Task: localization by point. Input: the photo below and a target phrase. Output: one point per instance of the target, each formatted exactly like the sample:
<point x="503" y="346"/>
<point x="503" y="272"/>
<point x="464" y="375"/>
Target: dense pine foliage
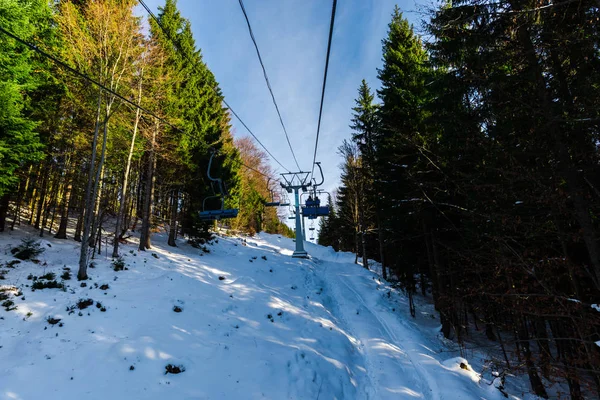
<point x="476" y="174"/>
<point x="77" y="155"/>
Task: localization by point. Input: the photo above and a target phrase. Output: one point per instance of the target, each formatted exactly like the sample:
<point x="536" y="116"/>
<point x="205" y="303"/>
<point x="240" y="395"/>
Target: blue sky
<point x="292" y="38"/>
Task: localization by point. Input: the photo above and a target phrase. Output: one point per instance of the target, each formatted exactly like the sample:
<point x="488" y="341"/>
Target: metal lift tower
<point x="295" y="181"/>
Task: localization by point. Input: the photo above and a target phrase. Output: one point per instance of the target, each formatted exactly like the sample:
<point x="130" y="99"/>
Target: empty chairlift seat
<point x="212" y="215"/>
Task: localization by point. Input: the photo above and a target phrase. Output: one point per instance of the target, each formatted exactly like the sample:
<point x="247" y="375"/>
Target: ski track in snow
<point x="272" y="328"/>
<point x="383" y="374"/>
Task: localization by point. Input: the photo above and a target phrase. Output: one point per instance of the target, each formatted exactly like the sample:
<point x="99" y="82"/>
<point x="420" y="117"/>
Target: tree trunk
<point x="90" y="197"/>
<point x="3" y="210"/>
<point x="64" y="211"/>
<point x="99" y="187"/>
<point x="148" y="191"/>
<point x="50" y="203"/>
<point x="42" y="199"/>
<point x="381" y="238"/>
<point x="364" y="249"/>
<point x="124" y="190"/>
<point x="20" y="193"/>
<point x="173" y="222"/>
<point x="534" y="378"/>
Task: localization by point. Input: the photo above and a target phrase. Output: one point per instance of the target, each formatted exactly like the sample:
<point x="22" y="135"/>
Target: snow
<point x="254" y="324"/>
<point x="596" y="307"/>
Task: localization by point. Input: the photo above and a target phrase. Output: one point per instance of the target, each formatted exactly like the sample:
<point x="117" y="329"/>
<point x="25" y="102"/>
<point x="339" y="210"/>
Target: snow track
<point x="391" y="371"/>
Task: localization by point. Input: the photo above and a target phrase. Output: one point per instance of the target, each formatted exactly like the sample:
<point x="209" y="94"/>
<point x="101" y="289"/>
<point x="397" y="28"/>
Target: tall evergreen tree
<point x="19" y="141"/>
<point x="401" y="140"/>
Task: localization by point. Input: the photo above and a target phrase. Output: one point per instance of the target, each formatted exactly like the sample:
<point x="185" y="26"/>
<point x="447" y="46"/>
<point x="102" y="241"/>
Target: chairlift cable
<point x="267" y="80"/>
<point x="178" y="47"/>
<point x="324" y="85"/>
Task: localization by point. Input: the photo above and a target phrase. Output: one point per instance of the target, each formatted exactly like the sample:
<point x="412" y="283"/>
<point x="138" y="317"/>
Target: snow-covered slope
<point x="254" y="323"/>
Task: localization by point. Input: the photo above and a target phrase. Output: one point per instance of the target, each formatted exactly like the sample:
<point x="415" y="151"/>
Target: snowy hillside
<point x="252" y="323"/>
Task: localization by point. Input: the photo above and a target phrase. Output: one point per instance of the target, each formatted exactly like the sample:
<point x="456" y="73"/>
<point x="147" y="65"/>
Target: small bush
<point x="196" y="242"/>
<point x="28" y="249"/>
<point x="174" y="369"/>
<point x="39" y="285"/>
<point x="50" y="276"/>
<point x="66" y="276"/>
<point x="104" y="287"/>
<point x="52" y="320"/>
<point x="81" y="304"/>
<point x="118" y="264"/>
<point x="11" y="264"/>
<point x="9" y="305"/>
<point x="177" y="309"/>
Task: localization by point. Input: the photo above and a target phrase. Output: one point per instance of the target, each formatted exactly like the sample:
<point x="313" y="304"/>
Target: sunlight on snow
<point x="379" y="344"/>
<point x="181" y="330"/>
<point x="153" y="354"/>
<point x="250" y="322"/>
<point x="36" y="308"/>
<point x="127" y="349"/>
<point x="279" y="304"/>
<point x="405" y="391"/>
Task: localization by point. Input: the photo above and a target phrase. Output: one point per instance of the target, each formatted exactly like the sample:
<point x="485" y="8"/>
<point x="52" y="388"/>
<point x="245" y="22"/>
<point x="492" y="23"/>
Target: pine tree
<point x="400" y="143"/>
<point x="366" y="133"/>
<point x="19" y="141"/>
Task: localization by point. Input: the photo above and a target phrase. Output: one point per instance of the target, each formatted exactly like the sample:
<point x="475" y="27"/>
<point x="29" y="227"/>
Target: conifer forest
<point x="470" y="174"/>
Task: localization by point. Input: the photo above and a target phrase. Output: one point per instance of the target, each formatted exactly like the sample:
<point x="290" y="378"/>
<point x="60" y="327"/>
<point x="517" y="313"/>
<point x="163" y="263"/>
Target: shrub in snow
<point x="174" y="369"/>
<point x="104" y="287"/>
<point x="49" y="276"/>
<point x="52" y="320"/>
<point x="66" y="276"/>
<point x="118" y="264"/>
<point x="177" y="309"/>
<point x="81" y="304"/>
<point x="11" y="264"/>
<point x="28" y="249"/>
<point x="40" y="284"/>
<point x="9" y="305"/>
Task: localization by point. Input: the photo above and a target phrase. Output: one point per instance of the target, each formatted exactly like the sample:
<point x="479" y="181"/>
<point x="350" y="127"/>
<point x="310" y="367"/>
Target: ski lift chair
<point x="221" y="213"/>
